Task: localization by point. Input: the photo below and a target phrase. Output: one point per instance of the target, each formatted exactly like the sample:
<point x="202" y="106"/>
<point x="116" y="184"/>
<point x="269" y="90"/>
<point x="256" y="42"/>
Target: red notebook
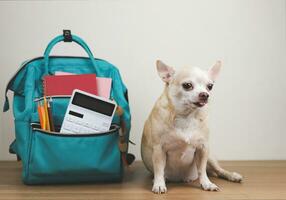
<point x="64" y="85"/>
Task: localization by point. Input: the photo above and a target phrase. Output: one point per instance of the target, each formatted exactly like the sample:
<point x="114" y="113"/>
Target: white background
<point x="248" y="109"/>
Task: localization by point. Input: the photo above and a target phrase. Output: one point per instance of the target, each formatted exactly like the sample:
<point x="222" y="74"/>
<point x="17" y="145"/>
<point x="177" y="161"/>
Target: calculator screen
<point x="94" y="104"/>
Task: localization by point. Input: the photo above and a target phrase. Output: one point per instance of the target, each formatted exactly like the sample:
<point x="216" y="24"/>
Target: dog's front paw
<point x="159" y="187"/>
<point x="235" y="177"/>
<point x="209" y="186"/>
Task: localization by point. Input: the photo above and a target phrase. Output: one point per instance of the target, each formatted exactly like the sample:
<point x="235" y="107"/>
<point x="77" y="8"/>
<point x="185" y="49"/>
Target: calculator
<point x="88" y="113"/>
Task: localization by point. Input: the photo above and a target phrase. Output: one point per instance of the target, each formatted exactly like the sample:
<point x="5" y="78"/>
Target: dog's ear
<point x="165" y="72"/>
<point x="214" y="71"/>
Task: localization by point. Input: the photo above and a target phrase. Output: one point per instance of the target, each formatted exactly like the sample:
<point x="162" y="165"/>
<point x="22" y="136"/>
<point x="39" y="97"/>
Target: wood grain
<point x="262" y="180"/>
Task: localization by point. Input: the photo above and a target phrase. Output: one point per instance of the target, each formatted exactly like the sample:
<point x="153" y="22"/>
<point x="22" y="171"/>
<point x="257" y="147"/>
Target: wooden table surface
<point x="262" y="180"/>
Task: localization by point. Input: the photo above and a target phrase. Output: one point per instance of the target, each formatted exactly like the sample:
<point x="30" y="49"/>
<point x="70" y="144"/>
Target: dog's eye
<point x="210" y="86"/>
<point x="187" y="86"/>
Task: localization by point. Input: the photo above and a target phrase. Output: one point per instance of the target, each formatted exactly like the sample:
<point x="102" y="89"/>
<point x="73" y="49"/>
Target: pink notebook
<point x="103" y="84"/>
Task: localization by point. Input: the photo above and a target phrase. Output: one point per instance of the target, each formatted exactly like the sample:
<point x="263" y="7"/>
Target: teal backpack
<point x="64" y="158"/>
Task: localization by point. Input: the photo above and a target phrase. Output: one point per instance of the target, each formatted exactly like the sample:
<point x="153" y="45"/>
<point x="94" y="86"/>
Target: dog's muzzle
<point x="203" y="99"/>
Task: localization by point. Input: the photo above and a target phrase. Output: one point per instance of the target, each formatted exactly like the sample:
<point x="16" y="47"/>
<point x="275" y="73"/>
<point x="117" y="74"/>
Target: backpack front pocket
<point x="68" y="158"/>
<point x="59" y="106"/>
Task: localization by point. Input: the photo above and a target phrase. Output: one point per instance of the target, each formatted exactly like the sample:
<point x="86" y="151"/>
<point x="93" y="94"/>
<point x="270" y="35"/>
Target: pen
<point x="50" y="113"/>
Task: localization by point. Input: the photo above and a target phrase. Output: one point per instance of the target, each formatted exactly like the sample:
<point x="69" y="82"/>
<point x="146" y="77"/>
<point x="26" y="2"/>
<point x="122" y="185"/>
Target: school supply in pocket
<point x="103" y="84"/>
<point x="48" y="156"/>
<point x="45" y="114"/>
<point x="87" y="113"/>
<point x="50" y="115"/>
<point x="64" y="85"/>
<point x="103" y="87"/>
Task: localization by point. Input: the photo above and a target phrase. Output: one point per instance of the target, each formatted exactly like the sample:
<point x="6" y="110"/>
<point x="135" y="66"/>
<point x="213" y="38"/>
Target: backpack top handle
<point x="67" y="37"/>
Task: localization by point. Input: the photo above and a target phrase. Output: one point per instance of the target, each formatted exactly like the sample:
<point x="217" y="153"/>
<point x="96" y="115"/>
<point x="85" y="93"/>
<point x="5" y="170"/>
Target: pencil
<point x="43" y="116"/>
<point x="40" y="115"/>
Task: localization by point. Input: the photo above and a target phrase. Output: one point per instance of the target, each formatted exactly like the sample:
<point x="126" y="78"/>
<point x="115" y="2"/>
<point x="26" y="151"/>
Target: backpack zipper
<point x="114" y="129"/>
<point x="51" y="97"/>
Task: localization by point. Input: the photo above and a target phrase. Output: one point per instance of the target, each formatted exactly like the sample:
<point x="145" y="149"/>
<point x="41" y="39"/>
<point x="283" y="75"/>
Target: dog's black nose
<point x="203" y="96"/>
